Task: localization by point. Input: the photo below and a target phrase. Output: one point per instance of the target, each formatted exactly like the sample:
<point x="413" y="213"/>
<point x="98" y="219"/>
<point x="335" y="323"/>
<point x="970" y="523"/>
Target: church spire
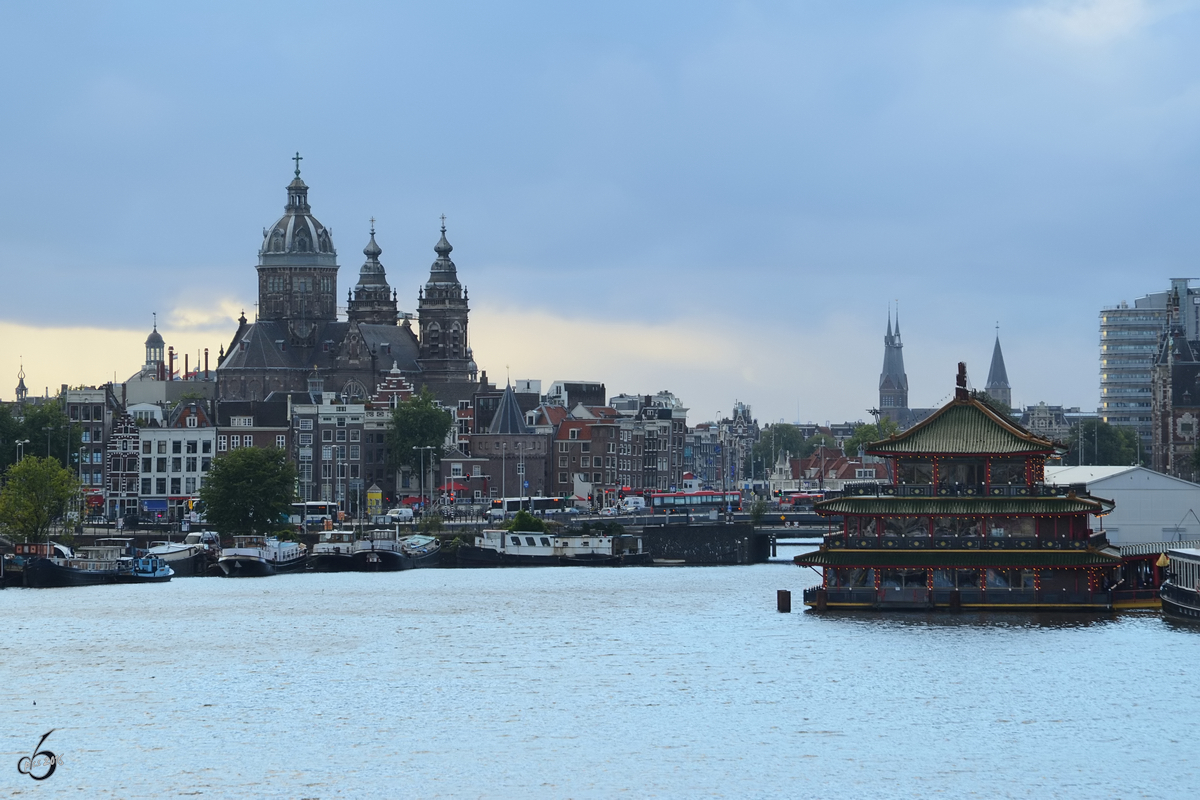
<point x="997" y="381"/>
<point x="893" y="381"/>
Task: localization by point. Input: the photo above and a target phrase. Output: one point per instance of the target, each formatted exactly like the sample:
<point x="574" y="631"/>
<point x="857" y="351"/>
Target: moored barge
<point x="1180" y="592"/>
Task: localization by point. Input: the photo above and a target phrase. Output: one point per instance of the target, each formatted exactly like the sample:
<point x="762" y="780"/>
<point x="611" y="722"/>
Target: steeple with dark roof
<point x="997" y="380"/>
<point x="373" y="301"/>
<point x="893" y="381"/>
<point x="443" y="310"/>
<point x="509" y="418"/>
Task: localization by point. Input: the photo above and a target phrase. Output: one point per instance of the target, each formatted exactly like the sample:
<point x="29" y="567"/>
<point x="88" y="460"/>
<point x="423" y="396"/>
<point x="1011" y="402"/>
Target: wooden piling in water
<point x="783" y="601"/>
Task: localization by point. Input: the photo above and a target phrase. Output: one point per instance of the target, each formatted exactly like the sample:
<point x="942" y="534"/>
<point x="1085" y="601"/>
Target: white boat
<point x="380" y="551"/>
<point x="190" y="557"/>
<point x="334" y="553"/>
<point x="256" y="556"/>
<point x="534" y="549"/>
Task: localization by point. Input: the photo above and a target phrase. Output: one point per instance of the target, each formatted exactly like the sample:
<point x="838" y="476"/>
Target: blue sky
<point x="720" y="199"/>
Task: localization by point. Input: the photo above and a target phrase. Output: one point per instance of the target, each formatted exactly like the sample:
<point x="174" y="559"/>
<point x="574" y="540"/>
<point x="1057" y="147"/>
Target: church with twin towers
<point x="296" y="343"/>
<point x="893" y="380"/>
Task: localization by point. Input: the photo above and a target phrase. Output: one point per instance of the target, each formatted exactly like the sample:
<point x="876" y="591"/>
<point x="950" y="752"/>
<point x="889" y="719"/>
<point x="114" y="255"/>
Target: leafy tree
<point x="869" y="432"/>
<point x="1096" y="443"/>
<point x="524" y="521"/>
<point x="998" y="405"/>
<point x="39" y="422"/>
<point x="773" y="439"/>
<point x="417" y="422"/>
<point x="36" y="492"/>
<point x="813" y="442"/>
<point x="758" y="510"/>
<point x="249" y="490"/>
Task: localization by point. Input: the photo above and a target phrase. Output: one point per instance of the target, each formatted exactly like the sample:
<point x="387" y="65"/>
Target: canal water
<point x="582" y="683"/>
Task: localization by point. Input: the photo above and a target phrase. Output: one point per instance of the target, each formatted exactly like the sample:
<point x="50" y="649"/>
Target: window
<point x="206" y="446"/>
<point x="562" y="461"/>
<point x="191" y="421"/>
<point x="145" y="486"/>
<point x="190" y="485"/>
<point x="160" y="485"/>
<point x="305" y="439"/>
<point x="612" y="448"/>
<point x="281" y="441"/>
<point x="205" y="464"/>
<point x="176" y="487"/>
<point x="573" y="433"/>
<point x="85" y="436"/>
<point x="354" y="452"/>
<point x="595" y="477"/>
<point x="456" y="470"/>
<point x="341" y="436"/>
<point x="562" y="477"/>
<point x="326" y="435"/>
<point x="146" y="465"/>
<point x="327" y="453"/>
<point x="355" y="435"/>
<point x="162" y="446"/>
<point x="563" y="447"/>
<point x="191" y="464"/>
<point x="306" y="424"/>
<point x="222" y="443"/>
<point x="520" y="468"/>
<point x="241" y="422"/>
<point x="586" y="447"/>
<point x="176" y="465"/>
<point x="160" y="465"/>
<point x="516" y="540"/>
<point x="191" y="446"/>
<point x="176" y="447"/>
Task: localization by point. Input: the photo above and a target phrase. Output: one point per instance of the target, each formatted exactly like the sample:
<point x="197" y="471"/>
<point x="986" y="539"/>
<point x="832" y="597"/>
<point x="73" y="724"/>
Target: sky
<point x="718" y="199"/>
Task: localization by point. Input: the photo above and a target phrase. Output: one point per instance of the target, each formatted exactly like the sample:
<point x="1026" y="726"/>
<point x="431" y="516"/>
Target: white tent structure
<point x="1151" y="507"/>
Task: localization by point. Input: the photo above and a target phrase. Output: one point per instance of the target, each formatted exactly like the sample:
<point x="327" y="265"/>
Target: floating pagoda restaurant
<point x="966" y="523"/>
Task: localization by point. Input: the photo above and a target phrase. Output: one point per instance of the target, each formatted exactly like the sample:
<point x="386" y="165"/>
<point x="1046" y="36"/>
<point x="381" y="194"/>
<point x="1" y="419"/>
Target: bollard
<point x="783" y="600"/>
<point x="822" y="599"/>
<point x="955" y="601"/>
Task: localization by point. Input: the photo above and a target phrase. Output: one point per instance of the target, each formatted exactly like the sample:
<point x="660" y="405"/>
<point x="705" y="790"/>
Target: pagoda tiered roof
<point x="965" y="426"/>
<point x="963" y="506"/>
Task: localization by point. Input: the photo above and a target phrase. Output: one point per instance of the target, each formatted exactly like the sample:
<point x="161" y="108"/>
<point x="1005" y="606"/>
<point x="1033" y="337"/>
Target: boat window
<point x="967" y="578"/>
<point x="918" y="471"/>
<point x="915" y="579"/>
<point x="998" y="579"/>
<point x="943" y="579"/>
<point x="1007" y="470"/>
<point x="545" y="542"/>
<point x="965" y="471"/>
<point x="516" y="540"/>
<point x="529" y="541"/>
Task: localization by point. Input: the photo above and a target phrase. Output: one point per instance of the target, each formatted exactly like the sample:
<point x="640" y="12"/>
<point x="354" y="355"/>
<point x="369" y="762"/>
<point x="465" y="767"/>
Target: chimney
<point x="206" y="363"/>
<point x="171" y="363"/>
<point x="185" y="366"/>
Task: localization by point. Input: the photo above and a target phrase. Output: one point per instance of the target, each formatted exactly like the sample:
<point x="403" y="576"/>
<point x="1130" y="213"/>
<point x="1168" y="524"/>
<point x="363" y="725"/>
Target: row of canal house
<point x="967" y="521"/>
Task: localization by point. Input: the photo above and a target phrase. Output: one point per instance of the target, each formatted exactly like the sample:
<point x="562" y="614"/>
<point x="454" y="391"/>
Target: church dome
<point x="297" y="232"/>
<point x="154" y="339"/>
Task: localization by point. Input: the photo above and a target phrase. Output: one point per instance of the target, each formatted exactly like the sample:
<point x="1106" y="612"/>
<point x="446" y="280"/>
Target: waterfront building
<point x="514" y="454"/>
<point x="1049" y="422"/>
<point x="328" y="431"/>
<point x="1175" y="395"/>
<point x="122" y="473"/>
<point x="968" y="521"/>
<point x="1150" y="506"/>
<point x="1129" y="340"/>
<point x="829" y="469"/>
<point x="177" y="449"/>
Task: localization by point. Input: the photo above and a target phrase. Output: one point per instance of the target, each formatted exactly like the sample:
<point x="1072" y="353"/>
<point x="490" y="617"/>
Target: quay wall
<point x="721" y="543"/>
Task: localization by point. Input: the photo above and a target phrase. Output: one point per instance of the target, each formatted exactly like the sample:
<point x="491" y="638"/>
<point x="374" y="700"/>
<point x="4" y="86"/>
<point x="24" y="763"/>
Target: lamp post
<point x="421" y="479"/>
<point x="21" y="448"/>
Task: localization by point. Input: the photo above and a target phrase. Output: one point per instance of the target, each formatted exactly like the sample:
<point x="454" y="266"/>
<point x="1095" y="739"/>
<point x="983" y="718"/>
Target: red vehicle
<point x="694" y="502"/>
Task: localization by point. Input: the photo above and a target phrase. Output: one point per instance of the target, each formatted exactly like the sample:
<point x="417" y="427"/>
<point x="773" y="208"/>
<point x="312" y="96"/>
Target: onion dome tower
<point x="443" y="308"/>
<point x="297" y="268"/>
<point x="373" y="301"/>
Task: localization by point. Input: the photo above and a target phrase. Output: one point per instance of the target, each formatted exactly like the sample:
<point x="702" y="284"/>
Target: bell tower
<point x="442" y="307"/>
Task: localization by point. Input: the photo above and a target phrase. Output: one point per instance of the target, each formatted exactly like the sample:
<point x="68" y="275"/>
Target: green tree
<point x="36" y="492"/>
<point x="418" y="422"/>
<point x="772" y="440"/>
<point x="1096" y="443"/>
<point x="524" y="521"/>
<point x="869" y="432"/>
<point x="813" y="442"/>
<point x="249" y="490"/>
<point x="758" y="510"/>
<point x="41" y="424"/>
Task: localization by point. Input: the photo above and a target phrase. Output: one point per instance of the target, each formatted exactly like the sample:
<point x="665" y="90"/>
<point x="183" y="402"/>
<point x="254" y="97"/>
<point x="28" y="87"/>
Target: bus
<point x="694" y="502"/>
<point x="800" y="501"/>
<point x="314" y="511"/>
<point x="538" y="505"/>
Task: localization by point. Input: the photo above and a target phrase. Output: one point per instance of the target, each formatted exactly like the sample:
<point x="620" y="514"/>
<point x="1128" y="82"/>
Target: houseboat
<point x="493" y="548"/>
<point x="380" y="551"/>
<point x="106" y="561"/>
<point x="193" y="556"/>
<point x="258" y="556"/>
<point x="333" y="553"/>
<point x="966" y="523"/>
<point x="1180" y="592"/>
<point x="12" y="569"/>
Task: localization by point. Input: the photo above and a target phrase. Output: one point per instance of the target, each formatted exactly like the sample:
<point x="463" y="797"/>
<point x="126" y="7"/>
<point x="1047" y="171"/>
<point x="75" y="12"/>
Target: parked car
<point x="608" y="511"/>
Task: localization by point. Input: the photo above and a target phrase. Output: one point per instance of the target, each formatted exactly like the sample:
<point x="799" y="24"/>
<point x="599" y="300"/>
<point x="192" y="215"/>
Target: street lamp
<point x="421" y="478"/>
<point x="21" y="448"/>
